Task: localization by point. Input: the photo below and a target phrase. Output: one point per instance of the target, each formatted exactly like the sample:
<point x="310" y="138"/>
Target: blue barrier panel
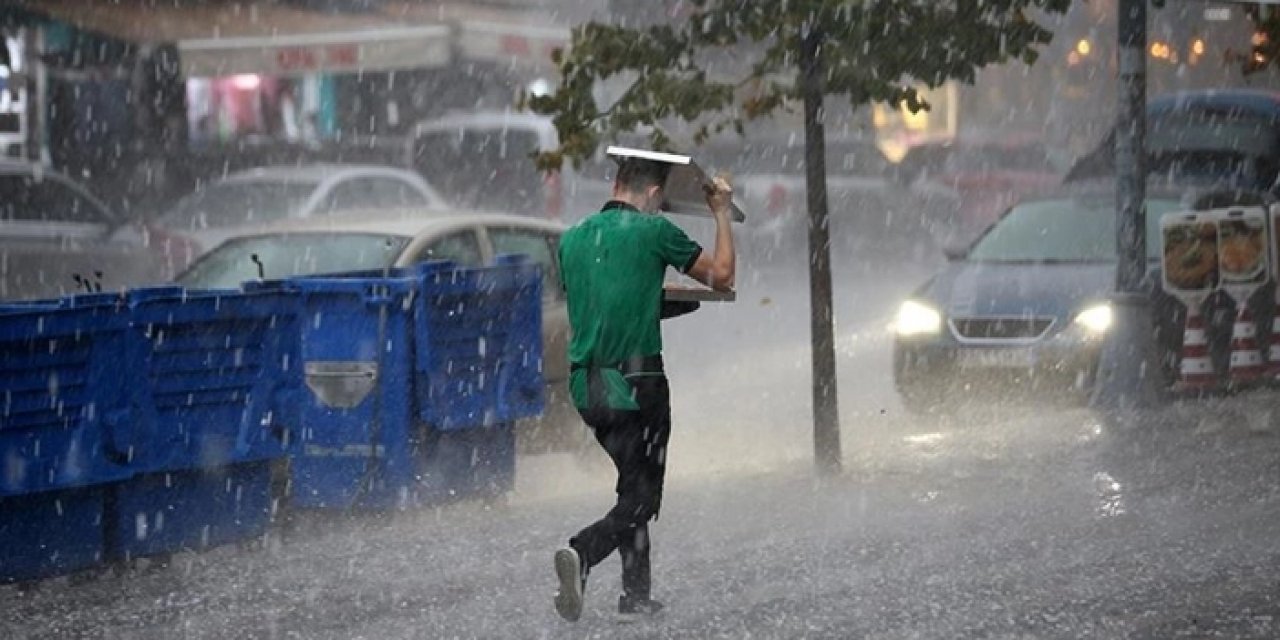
<point x="479" y="344"/>
<point x="63" y="406"/>
<point x="477" y="338"/>
<point x="50" y="533"/>
<point x="355" y="446"/>
<point x="189" y="510"/>
<point x="219" y="369"/>
<point x="217" y="366"/>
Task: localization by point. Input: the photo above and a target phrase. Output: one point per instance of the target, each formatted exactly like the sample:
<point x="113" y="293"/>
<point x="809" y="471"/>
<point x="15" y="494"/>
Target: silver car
<point x="54" y="238"/>
<point x="378" y="239"/>
<point x="249" y="199"/>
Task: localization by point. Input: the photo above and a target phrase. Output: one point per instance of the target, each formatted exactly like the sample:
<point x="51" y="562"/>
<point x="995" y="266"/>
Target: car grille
<point x="1012" y="328"/>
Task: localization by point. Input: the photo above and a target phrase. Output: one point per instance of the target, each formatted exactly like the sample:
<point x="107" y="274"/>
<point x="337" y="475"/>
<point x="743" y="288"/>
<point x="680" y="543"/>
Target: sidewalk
<point x="1044" y="526"/>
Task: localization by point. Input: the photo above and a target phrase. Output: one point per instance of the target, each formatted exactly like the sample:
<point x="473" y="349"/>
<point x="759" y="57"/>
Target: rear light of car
<point x="554" y="195"/>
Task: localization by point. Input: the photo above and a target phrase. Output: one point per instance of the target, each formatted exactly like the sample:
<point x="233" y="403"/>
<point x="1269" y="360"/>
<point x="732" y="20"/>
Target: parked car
<point x="1025" y="308"/>
<point x="1228" y="136"/>
<point x="482" y="160"/>
<point x="965" y="183"/>
<point x="359" y="241"/>
<point x="55" y="238"/>
<point x="249" y="199"/>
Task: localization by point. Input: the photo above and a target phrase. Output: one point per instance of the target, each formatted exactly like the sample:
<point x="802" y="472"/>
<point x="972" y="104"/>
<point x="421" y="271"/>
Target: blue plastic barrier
<point x="161" y="513"/>
<point x="50" y="533"/>
<point x="147" y="423"/>
<point x="61" y="403"/>
<point x="61" y="396"/>
<point x="217" y="364"/>
<point x="219" y="371"/>
<point x="463" y="345"/>
<point x="354" y="447"/>
<point x="479" y="344"/>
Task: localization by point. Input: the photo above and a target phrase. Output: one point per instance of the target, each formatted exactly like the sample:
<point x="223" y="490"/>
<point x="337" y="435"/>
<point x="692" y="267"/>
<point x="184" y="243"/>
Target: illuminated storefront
<point x="898" y="129"/>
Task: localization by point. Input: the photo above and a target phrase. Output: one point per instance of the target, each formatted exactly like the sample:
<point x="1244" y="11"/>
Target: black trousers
<point x="636" y="441"/>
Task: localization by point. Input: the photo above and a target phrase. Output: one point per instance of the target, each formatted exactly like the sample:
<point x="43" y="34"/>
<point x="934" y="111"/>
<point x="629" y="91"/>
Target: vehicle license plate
<point x="1014" y="358"/>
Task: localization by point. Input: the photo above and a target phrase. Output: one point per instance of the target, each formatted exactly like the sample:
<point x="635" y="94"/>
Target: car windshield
<point x="232" y="204"/>
<point x="286" y="255"/>
<point x="1079" y="229"/>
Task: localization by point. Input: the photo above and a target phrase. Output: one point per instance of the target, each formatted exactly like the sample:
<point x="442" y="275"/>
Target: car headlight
<point x="1095" y="319"/>
<point x="916" y="319"/>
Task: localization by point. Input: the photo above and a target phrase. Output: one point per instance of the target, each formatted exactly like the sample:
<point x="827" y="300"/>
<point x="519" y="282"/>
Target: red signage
<point x="515" y="45"/>
<point x="310" y="58"/>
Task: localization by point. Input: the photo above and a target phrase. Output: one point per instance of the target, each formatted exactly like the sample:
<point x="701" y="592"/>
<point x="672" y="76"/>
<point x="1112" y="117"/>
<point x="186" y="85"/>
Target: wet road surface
<point x="1000" y="522"/>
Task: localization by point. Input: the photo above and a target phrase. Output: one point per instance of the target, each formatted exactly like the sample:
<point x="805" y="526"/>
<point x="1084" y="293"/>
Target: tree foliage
<point x="871" y="51"/>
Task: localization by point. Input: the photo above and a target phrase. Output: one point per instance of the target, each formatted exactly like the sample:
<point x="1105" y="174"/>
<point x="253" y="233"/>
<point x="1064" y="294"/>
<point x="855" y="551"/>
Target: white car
<point x="363" y="241"/>
<point x="54" y="238"/>
<point x="247" y="200"/>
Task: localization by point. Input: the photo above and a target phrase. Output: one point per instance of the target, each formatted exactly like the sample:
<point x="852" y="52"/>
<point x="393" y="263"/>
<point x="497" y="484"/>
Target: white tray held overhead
<point x="684" y="184"/>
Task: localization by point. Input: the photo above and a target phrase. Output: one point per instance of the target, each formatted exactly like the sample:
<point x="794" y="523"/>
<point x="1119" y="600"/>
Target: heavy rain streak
<point x="342" y="318"/>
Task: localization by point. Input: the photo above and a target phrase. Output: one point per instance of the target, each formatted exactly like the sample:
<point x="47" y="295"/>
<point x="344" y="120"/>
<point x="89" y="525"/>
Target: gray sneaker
<point x="573" y="582"/>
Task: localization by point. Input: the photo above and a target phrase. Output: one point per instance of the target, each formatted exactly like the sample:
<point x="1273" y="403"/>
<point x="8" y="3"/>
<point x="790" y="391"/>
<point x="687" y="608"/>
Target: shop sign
<point x="297" y="54"/>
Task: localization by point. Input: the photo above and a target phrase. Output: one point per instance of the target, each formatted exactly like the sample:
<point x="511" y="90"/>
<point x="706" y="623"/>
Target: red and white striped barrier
<point x="1195" y="366"/>
<point x="1273" y="349"/>
<point x="1246" y="358"/>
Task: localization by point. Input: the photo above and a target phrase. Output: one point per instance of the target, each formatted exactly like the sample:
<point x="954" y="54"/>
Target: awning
<point x="514" y="44"/>
<point x="332" y="52"/>
<point x="234" y="38"/>
<point x="522" y="40"/>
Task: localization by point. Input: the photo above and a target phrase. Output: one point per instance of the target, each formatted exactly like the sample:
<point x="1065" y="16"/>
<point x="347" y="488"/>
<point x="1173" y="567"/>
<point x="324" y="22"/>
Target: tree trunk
<point x="826" y="418"/>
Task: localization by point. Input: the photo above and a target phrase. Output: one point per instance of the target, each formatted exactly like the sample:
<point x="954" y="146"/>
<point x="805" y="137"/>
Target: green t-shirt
<point x="613" y="265"/>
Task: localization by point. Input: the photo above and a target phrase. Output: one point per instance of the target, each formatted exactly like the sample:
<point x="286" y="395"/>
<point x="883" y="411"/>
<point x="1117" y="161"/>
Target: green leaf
<point x="871" y="51"/>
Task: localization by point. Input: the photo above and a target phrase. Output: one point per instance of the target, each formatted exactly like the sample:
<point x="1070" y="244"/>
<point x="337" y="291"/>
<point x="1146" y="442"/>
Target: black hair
<point x="636" y="174"/>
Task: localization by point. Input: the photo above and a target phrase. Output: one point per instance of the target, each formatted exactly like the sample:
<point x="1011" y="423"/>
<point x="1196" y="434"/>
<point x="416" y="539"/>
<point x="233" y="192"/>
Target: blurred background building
<point x="115" y="92"/>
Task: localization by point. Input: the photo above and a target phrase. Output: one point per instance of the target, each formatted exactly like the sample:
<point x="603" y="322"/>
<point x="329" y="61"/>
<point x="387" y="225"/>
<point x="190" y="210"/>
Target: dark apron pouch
<point x="597" y="391"/>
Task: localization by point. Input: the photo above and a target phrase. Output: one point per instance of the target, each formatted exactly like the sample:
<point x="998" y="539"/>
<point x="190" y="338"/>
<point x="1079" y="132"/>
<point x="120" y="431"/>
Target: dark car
<point x="1231" y="137"/>
<point x="55" y="238"/>
<point x="1025" y="308"/>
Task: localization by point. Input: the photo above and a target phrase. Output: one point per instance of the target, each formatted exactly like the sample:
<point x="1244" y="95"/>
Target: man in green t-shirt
<point x="613" y="266"/>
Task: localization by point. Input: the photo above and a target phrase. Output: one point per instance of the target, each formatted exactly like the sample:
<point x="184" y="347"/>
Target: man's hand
<point x="719" y="196"/>
<point x="717" y="271"/>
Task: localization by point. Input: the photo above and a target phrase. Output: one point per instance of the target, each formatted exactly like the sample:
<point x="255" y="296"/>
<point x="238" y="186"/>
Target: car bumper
<point x="1064" y="363"/>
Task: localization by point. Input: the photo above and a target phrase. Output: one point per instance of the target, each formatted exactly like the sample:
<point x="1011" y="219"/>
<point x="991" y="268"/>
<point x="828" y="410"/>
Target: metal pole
<point x="826" y="417"/>
<point x="1130" y="142"/>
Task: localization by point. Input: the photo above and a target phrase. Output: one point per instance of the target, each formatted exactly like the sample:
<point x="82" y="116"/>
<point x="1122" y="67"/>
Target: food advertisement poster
<point x="1242" y="247"/>
<point x="1189" y="253"/>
